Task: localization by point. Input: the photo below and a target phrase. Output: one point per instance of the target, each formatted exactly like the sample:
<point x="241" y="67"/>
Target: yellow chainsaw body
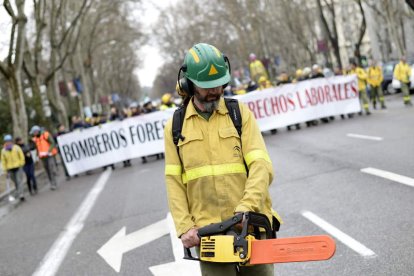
<point x="220" y="249"/>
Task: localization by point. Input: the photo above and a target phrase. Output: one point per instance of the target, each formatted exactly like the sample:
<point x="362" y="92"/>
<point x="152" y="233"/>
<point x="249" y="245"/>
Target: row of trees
<point x="269" y="28"/>
<point x="94" y="42"/>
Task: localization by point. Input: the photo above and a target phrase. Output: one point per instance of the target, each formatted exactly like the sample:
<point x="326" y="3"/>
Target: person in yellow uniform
<point x="257" y="69"/>
<point x="264" y="83"/>
<point x="298" y="76"/>
<point x="362" y="86"/>
<point x="375" y="79"/>
<point x="211" y="171"/>
<point x="167" y="101"/>
<point x="402" y="72"/>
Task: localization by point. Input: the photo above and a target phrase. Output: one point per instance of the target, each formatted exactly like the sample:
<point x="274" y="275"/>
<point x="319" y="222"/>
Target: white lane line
<point x="338" y="234"/>
<point x="391" y="176"/>
<point x="375" y="138"/>
<point x="54" y="257"/>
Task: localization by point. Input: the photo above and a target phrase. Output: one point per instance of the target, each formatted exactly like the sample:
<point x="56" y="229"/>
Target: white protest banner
<point x="144" y="135"/>
<point x="303" y="101"/>
<point x="109" y="143"/>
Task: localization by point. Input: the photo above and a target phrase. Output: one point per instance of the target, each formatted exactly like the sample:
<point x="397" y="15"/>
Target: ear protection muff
<point x="186" y="86"/>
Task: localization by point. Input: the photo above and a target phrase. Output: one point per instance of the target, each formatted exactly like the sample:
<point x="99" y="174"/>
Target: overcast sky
<point x="149" y="53"/>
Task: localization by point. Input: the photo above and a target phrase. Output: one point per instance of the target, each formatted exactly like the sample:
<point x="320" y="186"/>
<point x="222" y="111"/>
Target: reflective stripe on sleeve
<point x="256" y="154"/>
<point x="173" y="170"/>
<point x="213" y="170"/>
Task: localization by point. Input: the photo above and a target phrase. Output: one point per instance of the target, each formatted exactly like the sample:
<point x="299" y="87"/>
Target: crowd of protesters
<point x="16" y="157"/>
<point x="369" y="82"/>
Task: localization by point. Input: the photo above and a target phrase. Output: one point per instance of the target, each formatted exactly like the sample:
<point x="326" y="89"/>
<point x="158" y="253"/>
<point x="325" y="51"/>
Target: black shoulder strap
<point x="177" y="124"/>
<point x="178" y="119"/>
<point x="234" y="113"/>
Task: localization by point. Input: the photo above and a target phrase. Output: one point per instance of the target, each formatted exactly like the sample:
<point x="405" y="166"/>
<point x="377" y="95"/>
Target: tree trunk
<point x="393" y="30"/>
<point x="362" y="30"/>
<point x="12" y="103"/>
<point x="17" y="106"/>
<point x="84" y="79"/>
<point x="53" y="90"/>
<point x="332" y="34"/>
<point x="38" y="105"/>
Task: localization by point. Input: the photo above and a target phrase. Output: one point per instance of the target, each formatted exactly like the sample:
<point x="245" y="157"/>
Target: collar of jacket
<point x="191" y="111"/>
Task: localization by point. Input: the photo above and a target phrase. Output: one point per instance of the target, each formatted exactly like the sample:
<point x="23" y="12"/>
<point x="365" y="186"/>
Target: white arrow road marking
<point x="120" y="243"/>
<point x="338" y="234"/>
<point x="180" y="267"/>
<point x="54" y="257"/>
<point x="391" y="176"/>
<point x="375" y="138"/>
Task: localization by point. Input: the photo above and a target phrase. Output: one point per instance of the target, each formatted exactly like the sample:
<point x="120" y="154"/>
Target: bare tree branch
<point x="11" y="45"/>
<point x="9" y="9"/>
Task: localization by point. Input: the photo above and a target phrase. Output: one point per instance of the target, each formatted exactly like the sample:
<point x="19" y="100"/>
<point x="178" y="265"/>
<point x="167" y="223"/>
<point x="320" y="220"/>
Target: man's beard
<point x="209" y="102"/>
<point x="211" y="106"/>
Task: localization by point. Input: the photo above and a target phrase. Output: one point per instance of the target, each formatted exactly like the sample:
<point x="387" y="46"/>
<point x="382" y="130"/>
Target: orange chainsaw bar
<point x="294" y="249"/>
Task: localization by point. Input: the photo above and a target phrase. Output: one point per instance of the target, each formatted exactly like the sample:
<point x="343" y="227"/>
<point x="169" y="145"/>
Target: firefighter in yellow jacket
<point x="402" y="72"/>
<point x="264" y="83"/>
<point x="257" y="69"/>
<point x="374" y="79"/>
<point x="167" y="101"/>
<point x="362" y="85"/>
<point x="206" y="173"/>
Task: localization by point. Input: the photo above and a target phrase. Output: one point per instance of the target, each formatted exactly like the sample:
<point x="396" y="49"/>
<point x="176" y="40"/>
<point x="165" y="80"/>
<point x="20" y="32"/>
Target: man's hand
<point x="239" y="226"/>
<point x="190" y="238"/>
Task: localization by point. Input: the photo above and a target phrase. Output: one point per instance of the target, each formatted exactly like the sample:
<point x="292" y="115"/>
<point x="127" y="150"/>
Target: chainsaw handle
<point x="188" y="255"/>
<point x="221" y="227"/>
<point x="258" y="220"/>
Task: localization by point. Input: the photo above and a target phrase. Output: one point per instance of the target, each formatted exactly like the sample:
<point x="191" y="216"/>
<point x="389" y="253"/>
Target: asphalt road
<point x="318" y="170"/>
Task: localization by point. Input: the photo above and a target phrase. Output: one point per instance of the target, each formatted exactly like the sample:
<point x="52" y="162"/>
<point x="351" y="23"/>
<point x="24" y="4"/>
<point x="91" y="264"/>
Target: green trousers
<point x="364" y="98"/>
<point x="406" y="92"/>
<point x="376" y="92"/>
<point x="220" y="269"/>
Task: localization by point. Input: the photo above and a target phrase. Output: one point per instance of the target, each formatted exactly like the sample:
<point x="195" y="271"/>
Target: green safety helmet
<point x="206" y="66"/>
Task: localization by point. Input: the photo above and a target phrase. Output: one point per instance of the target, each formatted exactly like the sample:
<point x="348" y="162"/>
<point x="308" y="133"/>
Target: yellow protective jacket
<point x="206" y="179"/>
<point x="257" y="70"/>
<point x="375" y="76"/>
<point x="402" y="72"/>
<point x="12" y="159"/>
<point x="362" y="77"/>
<point x="165" y="107"/>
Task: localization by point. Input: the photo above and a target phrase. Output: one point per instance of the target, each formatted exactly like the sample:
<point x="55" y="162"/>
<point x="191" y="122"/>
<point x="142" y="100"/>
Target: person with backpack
<point x="29" y="166"/>
<point x="216" y="161"/>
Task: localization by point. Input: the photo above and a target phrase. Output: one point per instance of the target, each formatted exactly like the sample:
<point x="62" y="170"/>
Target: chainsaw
<point x="224" y="242"/>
